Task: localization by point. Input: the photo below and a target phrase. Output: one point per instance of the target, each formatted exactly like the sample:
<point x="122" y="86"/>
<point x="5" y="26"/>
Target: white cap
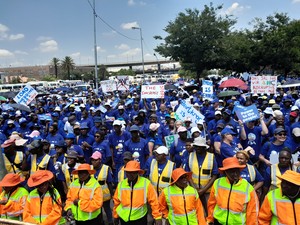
<point x="296" y="131"/>
<point x="218" y="113"/>
<point x="57" y="108"/>
<point x="117" y="122"/>
<point x="294" y="107"/>
<point x="92" y="108"/>
<point x="82" y="105"/>
<point x="34" y="133"/>
<point x="277" y="113"/>
<point x="154" y="126"/>
<point x="196" y="105"/>
<point x="121" y="107"/>
<point x="268" y="110"/>
<point x="162" y="150"/>
<point x="195" y="129"/>
<point x="10" y="122"/>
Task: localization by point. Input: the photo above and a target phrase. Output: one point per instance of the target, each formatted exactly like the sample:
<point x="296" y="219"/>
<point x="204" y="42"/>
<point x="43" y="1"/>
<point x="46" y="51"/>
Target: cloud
<point x="14" y="37"/>
<point x="122" y="47"/>
<point x="75" y="55"/>
<point x="131" y="2"/>
<point x="48" y="46"/>
<point x="111" y="56"/>
<point x="131" y="52"/>
<point x="296" y="1"/>
<point x="5" y="53"/>
<point x="4" y="35"/>
<point x="235" y="8"/>
<point x="128" y="26"/>
<point x="20" y="52"/>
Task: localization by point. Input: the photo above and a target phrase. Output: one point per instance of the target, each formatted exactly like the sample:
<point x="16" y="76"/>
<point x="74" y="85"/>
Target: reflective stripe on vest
<point x="66" y="172"/>
<point x="177" y="218"/>
<point x="206" y="165"/>
<point x="160" y="182"/>
<point x="252" y="172"/>
<point x="276" y="199"/>
<point x="121" y="174"/>
<point x="35" y="195"/>
<point x="42" y="165"/>
<point x="80" y="215"/>
<point x="102" y="176"/>
<point x="16" y="196"/>
<point x="242" y="189"/>
<point x="10" y="167"/>
<point x="133" y="212"/>
<point x="275" y="182"/>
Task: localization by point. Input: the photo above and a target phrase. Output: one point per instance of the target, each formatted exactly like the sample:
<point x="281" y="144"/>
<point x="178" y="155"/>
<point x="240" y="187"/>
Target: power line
<point x="107" y="24"/>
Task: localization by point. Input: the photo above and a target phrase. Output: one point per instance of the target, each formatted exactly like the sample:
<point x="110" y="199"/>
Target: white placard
<point x="122" y="83"/>
<point x="263" y="84"/>
<point x="26" y="95"/>
<point x="187" y="110"/>
<point x="108" y="85"/>
<point x="153" y="91"/>
<point x="207" y="89"/>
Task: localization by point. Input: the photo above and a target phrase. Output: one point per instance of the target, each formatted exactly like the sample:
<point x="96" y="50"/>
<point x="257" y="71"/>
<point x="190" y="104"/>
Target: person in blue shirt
<point x="177" y="149"/>
<point x="23" y="128"/>
<point x="69" y="139"/>
<point x="120" y="113"/>
<point x="153" y="139"/>
<point x="86" y="120"/>
<point x="137" y="146"/>
<point x="85" y="140"/>
<point x="102" y="145"/>
<point x="54" y="137"/>
<point x="251" y="134"/>
<point x="228" y="120"/>
<point x="212" y="124"/>
<point x="250" y="173"/>
<point x="228" y="147"/>
<point x="97" y="125"/>
<point x="116" y="140"/>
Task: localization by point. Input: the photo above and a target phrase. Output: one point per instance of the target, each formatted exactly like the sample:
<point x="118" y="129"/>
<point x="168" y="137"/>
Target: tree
<point x="68" y="65"/>
<point x="56" y="63"/>
<point x="195" y="39"/>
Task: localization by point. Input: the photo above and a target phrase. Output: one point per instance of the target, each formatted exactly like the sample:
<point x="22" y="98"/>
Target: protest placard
<point x="187" y="110"/>
<point x="153" y="91"/>
<point x="122" y="83"/>
<point x="207" y="89"/>
<point x="247" y="114"/>
<point x="108" y="86"/>
<point x="26" y="95"/>
<point x="173" y="104"/>
<point x="263" y="84"/>
<point x="171" y="139"/>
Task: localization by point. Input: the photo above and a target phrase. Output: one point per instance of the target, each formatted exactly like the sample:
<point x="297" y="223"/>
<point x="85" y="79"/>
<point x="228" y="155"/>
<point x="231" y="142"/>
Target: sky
<point x="33" y="32"/>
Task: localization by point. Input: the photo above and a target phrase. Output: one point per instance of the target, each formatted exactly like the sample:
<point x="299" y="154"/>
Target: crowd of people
<point x="105" y="160"/>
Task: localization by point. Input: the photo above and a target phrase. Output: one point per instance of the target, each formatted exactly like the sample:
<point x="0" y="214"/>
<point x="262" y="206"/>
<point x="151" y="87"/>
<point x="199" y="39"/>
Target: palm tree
<point x="68" y="65"/>
<point x="56" y="63"/>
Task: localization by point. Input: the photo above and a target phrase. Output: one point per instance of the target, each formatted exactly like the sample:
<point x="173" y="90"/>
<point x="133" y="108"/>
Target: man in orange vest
<point x="232" y="199"/>
<point x="179" y="202"/>
<point x="132" y="196"/>
<point x="282" y="205"/>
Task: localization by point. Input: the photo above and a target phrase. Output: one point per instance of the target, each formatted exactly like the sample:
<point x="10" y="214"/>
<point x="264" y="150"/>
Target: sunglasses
<point x="97" y="136"/>
<point x="281" y="134"/>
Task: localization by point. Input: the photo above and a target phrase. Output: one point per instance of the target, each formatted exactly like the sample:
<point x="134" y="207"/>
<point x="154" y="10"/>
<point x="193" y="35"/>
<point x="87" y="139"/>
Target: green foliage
<point x="128" y="72"/>
<point x="68" y="65"/>
<point x="48" y="78"/>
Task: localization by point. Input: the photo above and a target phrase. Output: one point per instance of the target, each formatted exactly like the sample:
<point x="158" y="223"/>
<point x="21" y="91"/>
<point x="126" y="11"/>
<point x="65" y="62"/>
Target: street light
<point x="138" y="28"/>
<point x="158" y="66"/>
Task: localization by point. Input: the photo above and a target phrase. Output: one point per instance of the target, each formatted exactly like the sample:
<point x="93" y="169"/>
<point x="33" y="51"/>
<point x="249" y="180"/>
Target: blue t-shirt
<point x="102" y="147"/>
<point x="54" y="139"/>
<point x="178" y="152"/>
<point x="114" y="140"/>
<point x="253" y="139"/>
<point x="141" y="147"/>
<point x="200" y="162"/>
<point x="109" y="175"/>
<point x="159" y="166"/>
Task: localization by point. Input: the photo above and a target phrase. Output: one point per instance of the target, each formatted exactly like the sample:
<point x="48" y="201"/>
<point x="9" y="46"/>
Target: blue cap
<point x="97" y="119"/>
<point x="22" y="120"/>
<point x="227" y="130"/>
<point x="60" y="144"/>
<point x="167" y="115"/>
<point x="55" y="114"/>
<point x="134" y="128"/>
<point x="84" y="126"/>
<point x="70" y="136"/>
<point x="229" y="101"/>
<point x="227" y="111"/>
<point x="215" y="100"/>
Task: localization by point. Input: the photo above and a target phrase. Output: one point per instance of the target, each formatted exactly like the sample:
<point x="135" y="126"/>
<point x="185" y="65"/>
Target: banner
<point x="26" y="95"/>
<point x="247" y="114"/>
<point x="187" y="110"/>
<point x="122" y="83"/>
<point x="171" y="139"/>
<point x="263" y="84"/>
<point x="108" y="86"/>
<point x="207" y="89"/>
<point x="153" y="91"/>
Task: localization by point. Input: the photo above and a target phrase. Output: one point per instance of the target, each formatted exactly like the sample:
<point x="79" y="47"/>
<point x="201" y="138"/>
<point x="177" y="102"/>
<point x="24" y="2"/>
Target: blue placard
<point x="247" y="114"/>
